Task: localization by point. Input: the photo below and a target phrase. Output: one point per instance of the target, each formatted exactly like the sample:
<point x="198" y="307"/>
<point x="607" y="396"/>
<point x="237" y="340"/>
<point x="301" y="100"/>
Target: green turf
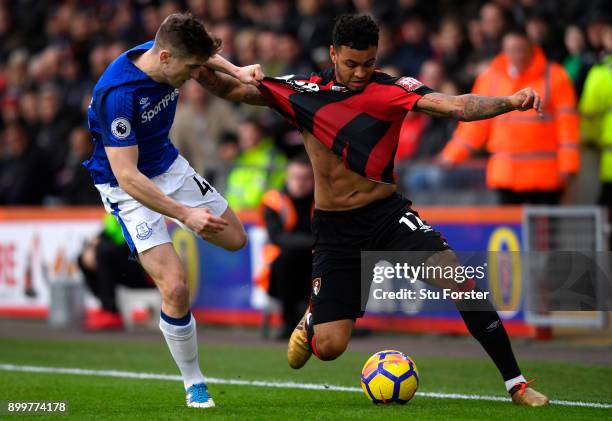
<point x="126" y="399"/>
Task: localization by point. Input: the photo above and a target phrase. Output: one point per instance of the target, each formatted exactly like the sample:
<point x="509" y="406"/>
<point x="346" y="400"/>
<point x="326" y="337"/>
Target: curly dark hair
<point x="355" y="31"/>
<point x="186" y="36"/>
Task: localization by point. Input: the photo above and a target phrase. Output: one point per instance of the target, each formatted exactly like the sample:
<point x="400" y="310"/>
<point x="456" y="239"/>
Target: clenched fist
<point x="251" y="74"/>
<point x="526" y="99"/>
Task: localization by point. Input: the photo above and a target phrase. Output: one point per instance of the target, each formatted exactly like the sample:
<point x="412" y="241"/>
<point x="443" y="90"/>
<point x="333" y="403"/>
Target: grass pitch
<point x="111" y="398"/>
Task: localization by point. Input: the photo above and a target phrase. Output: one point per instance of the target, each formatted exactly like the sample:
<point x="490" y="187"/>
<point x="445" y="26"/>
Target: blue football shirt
<point x="129" y="108"/>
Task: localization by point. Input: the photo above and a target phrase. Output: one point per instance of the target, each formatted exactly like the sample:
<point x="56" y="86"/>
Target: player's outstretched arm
<point x="472" y="107"/>
<point x="229" y="88"/>
<point x="123" y="161"/>
<point x="251" y="74"/>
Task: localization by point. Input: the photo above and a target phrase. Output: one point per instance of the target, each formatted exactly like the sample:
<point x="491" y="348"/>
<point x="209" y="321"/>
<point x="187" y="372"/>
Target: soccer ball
<point x="389" y="377"/>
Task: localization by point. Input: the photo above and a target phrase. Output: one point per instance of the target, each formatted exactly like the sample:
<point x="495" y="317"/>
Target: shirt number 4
<point x="203" y="186"/>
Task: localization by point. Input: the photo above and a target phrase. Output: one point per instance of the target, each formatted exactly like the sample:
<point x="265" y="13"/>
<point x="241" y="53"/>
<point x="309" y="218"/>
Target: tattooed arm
<point x="229" y="88"/>
<point x="477" y="107"/>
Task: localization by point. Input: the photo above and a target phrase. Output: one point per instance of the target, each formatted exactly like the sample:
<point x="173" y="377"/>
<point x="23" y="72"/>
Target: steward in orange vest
<point x="532" y="156"/>
<point x="287" y="256"/>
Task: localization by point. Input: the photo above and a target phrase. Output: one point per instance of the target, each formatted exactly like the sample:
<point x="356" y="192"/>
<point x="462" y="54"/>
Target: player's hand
<point x="203" y="223"/>
<point x="251" y="74"/>
<point x="526" y="99"/>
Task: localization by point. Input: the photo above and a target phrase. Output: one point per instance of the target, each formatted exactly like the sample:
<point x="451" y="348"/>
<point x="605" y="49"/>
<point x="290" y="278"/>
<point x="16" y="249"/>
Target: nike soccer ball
<point x="389" y="377"/>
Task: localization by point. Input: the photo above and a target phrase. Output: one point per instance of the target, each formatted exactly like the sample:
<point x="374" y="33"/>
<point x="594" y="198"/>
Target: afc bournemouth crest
<point x="316" y="286"/>
<point x="143" y="231"/>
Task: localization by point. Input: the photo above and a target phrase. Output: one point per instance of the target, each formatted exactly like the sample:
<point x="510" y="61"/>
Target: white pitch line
<point x="264" y="383"/>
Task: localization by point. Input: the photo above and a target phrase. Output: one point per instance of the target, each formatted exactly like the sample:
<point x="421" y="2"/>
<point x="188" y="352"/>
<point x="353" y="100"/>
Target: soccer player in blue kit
<point x="142" y="178"/>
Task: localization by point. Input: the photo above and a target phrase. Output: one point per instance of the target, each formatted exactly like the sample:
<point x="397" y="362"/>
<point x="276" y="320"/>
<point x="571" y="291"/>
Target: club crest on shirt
<point x="408" y="83"/>
<point x="121" y="128"/>
<point x="316" y="286"/>
<point x="304" y="86"/>
<point x="143" y="231"/>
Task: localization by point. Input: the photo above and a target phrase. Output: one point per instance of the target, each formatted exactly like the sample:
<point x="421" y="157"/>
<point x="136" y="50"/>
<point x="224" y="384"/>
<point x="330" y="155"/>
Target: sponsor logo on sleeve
<point x="121" y="127"/>
<point x="408" y="83"/>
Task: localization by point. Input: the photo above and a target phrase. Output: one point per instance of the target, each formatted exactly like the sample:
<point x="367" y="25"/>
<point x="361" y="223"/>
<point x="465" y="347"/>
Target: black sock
<point x="486" y="327"/>
<point x="310" y="336"/>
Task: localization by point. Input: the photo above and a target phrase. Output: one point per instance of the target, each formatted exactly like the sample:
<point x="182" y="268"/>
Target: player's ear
<point x="164" y="56"/>
<point x="332" y="54"/>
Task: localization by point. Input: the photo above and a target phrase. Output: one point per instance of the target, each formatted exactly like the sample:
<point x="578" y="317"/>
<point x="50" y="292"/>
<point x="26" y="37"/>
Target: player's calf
<point x="326" y="340"/>
<point x="329" y="342"/>
<point x="328" y="349"/>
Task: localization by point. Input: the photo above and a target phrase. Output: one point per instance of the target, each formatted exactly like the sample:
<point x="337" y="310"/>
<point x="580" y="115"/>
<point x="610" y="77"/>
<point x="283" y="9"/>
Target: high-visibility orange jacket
<point x="528" y="151"/>
<point x="286" y="213"/>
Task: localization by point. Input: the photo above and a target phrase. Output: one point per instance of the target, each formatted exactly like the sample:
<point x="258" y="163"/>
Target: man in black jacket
<point x="287" y="215"/>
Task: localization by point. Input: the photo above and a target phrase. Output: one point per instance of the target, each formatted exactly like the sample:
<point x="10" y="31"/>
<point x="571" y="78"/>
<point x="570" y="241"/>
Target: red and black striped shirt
<point x="361" y="127"/>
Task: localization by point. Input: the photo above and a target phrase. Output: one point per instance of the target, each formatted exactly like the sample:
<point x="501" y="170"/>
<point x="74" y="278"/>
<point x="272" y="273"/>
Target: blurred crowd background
<point x="53" y="52"/>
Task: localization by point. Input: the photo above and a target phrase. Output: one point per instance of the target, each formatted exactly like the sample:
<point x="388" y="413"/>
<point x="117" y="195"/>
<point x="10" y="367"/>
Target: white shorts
<point x="144" y="228"/>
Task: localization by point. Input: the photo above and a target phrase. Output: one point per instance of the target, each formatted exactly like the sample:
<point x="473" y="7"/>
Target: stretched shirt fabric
<point x="360" y="127"/>
<point x="129" y="108"/>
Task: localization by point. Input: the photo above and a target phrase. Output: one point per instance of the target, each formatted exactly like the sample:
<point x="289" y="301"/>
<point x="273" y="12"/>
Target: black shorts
<point x="339" y="238"/>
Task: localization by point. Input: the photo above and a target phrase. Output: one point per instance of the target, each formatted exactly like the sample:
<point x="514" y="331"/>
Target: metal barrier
<point x="546" y="228"/>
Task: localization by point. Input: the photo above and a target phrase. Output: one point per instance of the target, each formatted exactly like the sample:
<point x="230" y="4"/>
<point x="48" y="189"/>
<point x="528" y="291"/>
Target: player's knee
<point x="176" y="294"/>
<point x="329" y="348"/>
<point x="237" y="242"/>
<point x="443" y="259"/>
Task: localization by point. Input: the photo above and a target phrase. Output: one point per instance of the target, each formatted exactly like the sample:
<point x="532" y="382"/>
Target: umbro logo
<point x="493" y="326"/>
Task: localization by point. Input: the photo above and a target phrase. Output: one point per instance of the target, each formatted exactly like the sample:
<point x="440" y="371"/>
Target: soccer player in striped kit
<point x="350" y="118"/>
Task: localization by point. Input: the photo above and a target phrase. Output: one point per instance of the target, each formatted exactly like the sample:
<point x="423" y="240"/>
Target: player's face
<point x="178" y="70"/>
<point x="353" y="68"/>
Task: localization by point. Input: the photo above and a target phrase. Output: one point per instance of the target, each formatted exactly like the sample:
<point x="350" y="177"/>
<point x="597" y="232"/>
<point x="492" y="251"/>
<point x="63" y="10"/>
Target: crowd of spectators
<point x="53" y="52"/>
